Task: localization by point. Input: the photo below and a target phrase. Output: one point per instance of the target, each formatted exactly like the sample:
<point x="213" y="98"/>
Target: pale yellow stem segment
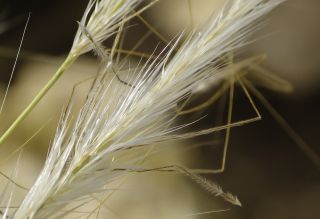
<point x="64" y="66"/>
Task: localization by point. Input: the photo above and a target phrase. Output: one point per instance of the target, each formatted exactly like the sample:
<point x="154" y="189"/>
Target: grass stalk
<point x="64" y="66"/>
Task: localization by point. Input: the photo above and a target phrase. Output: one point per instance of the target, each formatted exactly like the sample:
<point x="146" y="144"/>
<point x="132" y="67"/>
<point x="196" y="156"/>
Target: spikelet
<point x="101" y="19"/>
<point x="213" y="188"/>
<point x="99" y="147"/>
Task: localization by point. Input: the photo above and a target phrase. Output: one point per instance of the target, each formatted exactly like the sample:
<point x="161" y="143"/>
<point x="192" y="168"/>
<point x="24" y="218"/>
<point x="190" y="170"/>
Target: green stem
<point x="64" y="66"/>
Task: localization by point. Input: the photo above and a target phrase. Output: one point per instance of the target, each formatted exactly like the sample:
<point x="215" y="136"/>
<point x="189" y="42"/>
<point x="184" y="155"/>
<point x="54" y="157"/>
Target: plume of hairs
<point x="117" y="120"/>
<point x="101" y="18"/>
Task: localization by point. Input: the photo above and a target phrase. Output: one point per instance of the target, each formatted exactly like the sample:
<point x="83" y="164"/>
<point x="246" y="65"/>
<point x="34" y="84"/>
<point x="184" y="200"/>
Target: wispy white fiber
<point x="99" y="146"/>
<point x="101" y="19"/>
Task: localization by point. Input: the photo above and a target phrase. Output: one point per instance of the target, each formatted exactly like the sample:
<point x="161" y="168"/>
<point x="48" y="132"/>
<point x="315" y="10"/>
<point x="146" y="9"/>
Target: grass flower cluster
<point x="122" y="119"/>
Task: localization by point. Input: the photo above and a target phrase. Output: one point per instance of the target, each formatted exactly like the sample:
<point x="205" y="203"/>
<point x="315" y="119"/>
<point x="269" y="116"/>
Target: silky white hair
<point x="117" y="118"/>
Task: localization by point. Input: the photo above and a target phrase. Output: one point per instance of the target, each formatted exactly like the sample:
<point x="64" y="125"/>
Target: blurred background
<point x="265" y="168"/>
